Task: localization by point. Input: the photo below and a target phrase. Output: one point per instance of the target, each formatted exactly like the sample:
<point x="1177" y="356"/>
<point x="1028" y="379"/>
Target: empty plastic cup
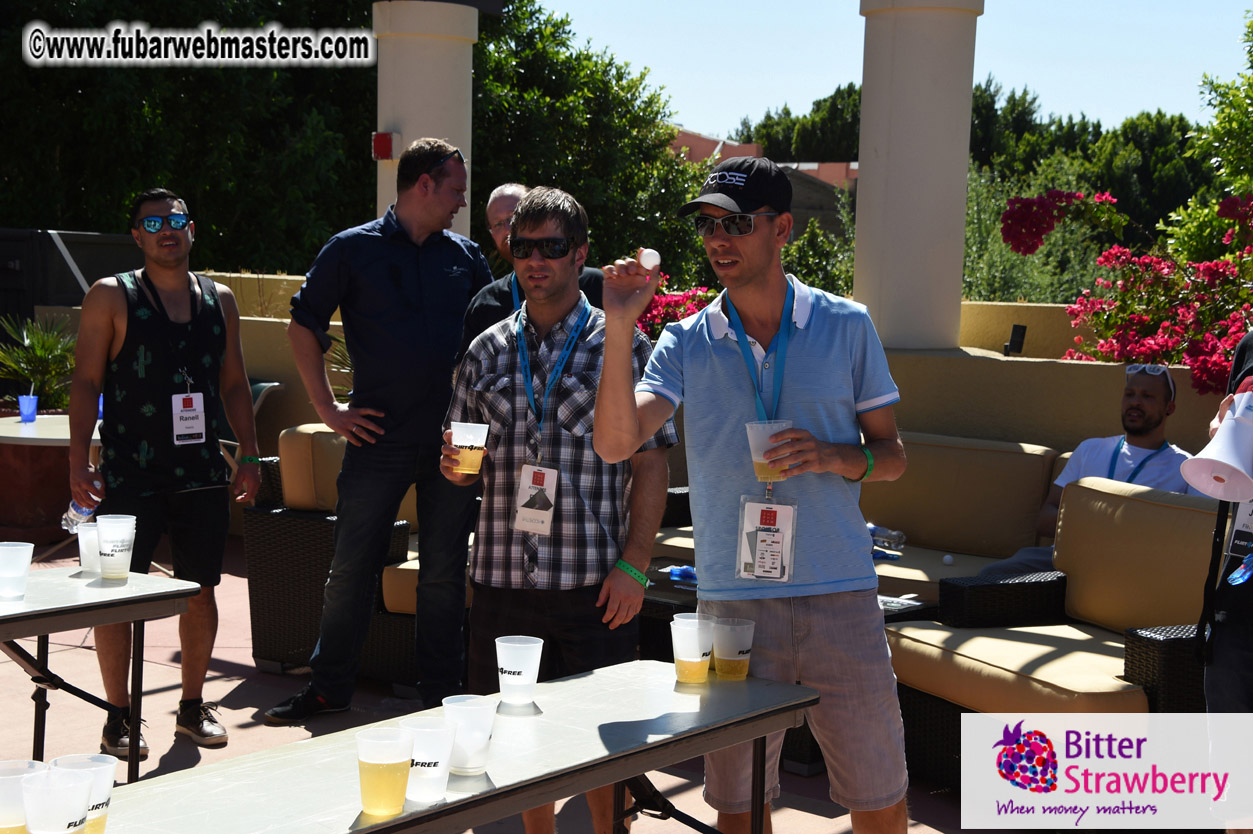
<point x="432" y="748"/>
<point x="116" y="534"/>
<point x="759" y="432"/>
<point x="470" y="440"/>
<point x="88" y="547"/>
<point x="103" y="769"/>
<point x="733" y="647"/>
<point x="383" y="756"/>
<point x="12" y="809"/>
<point x="517" y="664"/>
<point x="14" y="566"/>
<point x="56" y="800"/>
<point x="473" y="716"/>
<point x="693" y="643"/>
<point x="27" y="407"/>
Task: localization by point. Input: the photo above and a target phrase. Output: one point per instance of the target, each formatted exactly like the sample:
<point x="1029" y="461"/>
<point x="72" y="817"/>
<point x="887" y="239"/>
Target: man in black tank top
<point x="162" y="346"/>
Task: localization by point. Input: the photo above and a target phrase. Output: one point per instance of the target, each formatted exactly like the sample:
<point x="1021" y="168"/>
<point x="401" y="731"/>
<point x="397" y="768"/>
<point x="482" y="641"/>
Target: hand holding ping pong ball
<point x="650" y="259"/>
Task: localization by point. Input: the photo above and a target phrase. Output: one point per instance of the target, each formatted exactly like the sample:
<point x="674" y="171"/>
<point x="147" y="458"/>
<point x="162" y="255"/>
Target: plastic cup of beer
<point x="14" y="567"/>
<point x="692" y="640"/>
<point x="517" y="664"/>
<point x="432" y="748"/>
<point x="474" y="717"/>
<point x="383" y="757"/>
<point x="12" y="809"/>
<point x="733" y="647"/>
<point x="470" y="440"/>
<point x="759" y="432"/>
<point x="116" y="534"/>
<point x="88" y="548"/>
<point x="696" y="615"/>
<point x="56" y="800"/>
<point x="103" y="769"/>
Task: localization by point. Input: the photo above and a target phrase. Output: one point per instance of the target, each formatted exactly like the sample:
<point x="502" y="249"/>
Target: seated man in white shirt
<point x="1140" y="455"/>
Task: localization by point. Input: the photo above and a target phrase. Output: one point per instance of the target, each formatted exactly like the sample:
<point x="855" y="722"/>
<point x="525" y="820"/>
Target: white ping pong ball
<point x="650" y="259"/>
<point x="948" y="558"/>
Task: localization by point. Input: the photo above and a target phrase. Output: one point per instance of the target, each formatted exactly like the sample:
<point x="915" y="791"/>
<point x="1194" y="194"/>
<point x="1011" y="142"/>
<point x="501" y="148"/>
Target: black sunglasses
<point x="549" y="247"/>
<point x="153" y="223"/>
<point x="734" y="225"/>
<point x="448" y="156"/>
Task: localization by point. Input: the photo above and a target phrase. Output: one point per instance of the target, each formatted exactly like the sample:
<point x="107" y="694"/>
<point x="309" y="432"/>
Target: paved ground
<point x="244" y="692"/>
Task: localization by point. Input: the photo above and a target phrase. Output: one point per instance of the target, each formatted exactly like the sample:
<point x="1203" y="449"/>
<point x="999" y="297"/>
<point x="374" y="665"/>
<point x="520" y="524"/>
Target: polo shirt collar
<point x="391" y="228"/>
<point x="802" y="306"/>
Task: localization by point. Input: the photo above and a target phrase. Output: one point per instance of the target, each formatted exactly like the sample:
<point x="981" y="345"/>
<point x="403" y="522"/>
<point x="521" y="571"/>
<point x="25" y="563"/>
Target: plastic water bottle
<point x="75" y="516"/>
<point x="883" y="537"/>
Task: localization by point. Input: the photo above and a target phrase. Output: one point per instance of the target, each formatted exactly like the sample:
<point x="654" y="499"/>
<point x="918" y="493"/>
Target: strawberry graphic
<point x="1027" y="760"/>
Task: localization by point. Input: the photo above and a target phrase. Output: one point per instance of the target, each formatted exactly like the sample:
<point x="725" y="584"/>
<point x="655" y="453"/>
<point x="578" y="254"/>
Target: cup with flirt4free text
<point x="759" y="432"/>
<point x="692" y="641"/>
<point x="517" y="664"/>
<point x="383" y="757"/>
<point x="116" y="534"/>
<point x="14" y="566"/>
<point x="103" y="769"/>
<point x="56" y="800"/>
<point x="432" y="748"/>
<point x="733" y="647"/>
<point x="470" y="440"/>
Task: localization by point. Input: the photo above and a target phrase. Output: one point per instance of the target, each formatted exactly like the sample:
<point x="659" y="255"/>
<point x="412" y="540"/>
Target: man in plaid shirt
<point x="563" y="538"/>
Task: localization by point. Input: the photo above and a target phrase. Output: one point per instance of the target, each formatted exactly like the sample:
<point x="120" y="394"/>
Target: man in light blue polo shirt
<point x="823" y="368"/>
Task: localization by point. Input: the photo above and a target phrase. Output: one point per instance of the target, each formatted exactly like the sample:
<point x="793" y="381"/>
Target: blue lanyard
<point x="782" y="339"/>
<point x="1113" y="460"/>
<point x="524" y="357"/>
<point x="513" y="288"/>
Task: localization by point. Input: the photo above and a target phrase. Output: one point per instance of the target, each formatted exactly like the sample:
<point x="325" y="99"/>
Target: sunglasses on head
<point x="734" y="225"/>
<point x="448" y="156"/>
<point x="153" y="223"/>
<point x="549" y="247"/>
<point x="1153" y="370"/>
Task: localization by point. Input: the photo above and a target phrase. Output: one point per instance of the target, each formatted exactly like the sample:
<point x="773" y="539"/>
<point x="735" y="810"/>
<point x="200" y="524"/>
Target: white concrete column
<point x="917" y="76"/>
<point x="425" y="63"/>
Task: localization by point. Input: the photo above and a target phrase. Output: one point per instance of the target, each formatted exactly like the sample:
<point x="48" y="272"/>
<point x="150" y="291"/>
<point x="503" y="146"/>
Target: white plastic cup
<point x="517" y="665"/>
<point x="692" y="640"/>
<point x="103" y="769"/>
<point x="473" y="716"/>
<point x="733" y="647"/>
<point x="116" y="534"/>
<point x="759" y="432"/>
<point x="432" y="750"/>
<point x="690" y="615"/>
<point x="383" y="758"/>
<point x="470" y="440"/>
<point x="88" y="547"/>
<point x="56" y="800"/>
<point x="14" y="567"/>
<point x="12" y="809"/>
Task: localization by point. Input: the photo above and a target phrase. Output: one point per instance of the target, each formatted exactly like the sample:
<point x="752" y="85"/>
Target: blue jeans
<point x="372" y="482"/>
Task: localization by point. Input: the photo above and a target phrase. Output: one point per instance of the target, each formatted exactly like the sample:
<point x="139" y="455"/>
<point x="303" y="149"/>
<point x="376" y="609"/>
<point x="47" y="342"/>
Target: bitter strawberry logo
<point x="1027" y="760"/>
<point x="769" y="518"/>
<point x="537" y="479"/>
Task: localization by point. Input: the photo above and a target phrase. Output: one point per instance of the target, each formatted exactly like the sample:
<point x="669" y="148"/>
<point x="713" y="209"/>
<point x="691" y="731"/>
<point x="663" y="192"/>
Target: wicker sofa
<point x="1108" y="631"/>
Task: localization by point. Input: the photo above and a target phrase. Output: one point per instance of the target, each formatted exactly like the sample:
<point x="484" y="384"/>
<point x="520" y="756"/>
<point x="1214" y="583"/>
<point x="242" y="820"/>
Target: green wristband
<point x="630" y="571"/>
<point x="869" y="465"/>
<point x="250" y="459"/>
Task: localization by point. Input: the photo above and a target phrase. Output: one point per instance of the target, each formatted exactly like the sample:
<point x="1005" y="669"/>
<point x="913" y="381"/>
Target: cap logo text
<point x="726" y="178"/>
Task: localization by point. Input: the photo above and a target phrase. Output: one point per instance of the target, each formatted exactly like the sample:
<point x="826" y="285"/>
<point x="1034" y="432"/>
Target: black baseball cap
<point x="744" y="184"/>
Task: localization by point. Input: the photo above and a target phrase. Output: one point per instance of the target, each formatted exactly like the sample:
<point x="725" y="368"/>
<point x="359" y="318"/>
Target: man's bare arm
<point x="621" y="594"/>
<point x="96" y="330"/>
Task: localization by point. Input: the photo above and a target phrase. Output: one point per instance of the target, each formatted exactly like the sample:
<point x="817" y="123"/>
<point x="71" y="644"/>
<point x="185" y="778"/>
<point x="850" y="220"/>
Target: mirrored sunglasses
<point x="153" y="223"/>
<point x="734" y="225"/>
<point x="1153" y="370"/>
<point x="549" y="247"/>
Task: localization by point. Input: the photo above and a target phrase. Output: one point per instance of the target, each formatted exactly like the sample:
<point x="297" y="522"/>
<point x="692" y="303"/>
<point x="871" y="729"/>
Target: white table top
<point x="45" y="430"/>
<point x="594" y="729"/>
<point x="59" y="599"/>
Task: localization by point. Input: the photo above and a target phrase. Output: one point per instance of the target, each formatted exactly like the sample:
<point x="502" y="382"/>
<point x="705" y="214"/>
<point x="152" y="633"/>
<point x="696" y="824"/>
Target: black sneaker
<point x="116" y="737"/>
<point x="300" y="707"/>
<point x="196" y="719"/>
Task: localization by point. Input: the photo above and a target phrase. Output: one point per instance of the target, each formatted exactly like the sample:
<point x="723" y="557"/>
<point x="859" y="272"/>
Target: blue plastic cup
<point x="27" y="405"/>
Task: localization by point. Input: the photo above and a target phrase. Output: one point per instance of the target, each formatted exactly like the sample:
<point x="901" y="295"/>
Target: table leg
<point x="619" y="808"/>
<point x="40" y="697"/>
<point x="758" y="818"/>
<point x="137" y="699"/>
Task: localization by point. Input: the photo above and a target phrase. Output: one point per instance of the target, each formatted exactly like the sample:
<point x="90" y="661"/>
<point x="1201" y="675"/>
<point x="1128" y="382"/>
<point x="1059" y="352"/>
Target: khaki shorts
<point x="833" y="643"/>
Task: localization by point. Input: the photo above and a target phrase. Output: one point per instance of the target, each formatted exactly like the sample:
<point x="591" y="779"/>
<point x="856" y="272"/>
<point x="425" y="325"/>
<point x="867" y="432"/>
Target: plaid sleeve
<point x="641" y="350"/>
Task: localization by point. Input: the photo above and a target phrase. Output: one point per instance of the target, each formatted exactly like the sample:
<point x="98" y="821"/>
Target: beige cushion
<point x="1058" y="466"/>
<point x="979" y="497"/>
<point x="675" y="543"/>
<point x="309" y="458"/>
<point x="1056" y="668"/>
<point x="920" y="569"/>
<point x="1133" y="556"/>
<point x="400" y="583"/>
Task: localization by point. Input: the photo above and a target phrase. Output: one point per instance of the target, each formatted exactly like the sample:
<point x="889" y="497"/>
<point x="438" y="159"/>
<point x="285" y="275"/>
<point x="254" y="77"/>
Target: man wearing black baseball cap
<point x="794" y="557"/>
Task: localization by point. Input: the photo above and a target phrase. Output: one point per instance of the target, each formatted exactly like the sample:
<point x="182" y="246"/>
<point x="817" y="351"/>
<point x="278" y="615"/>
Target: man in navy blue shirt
<point x="401" y="284"/>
